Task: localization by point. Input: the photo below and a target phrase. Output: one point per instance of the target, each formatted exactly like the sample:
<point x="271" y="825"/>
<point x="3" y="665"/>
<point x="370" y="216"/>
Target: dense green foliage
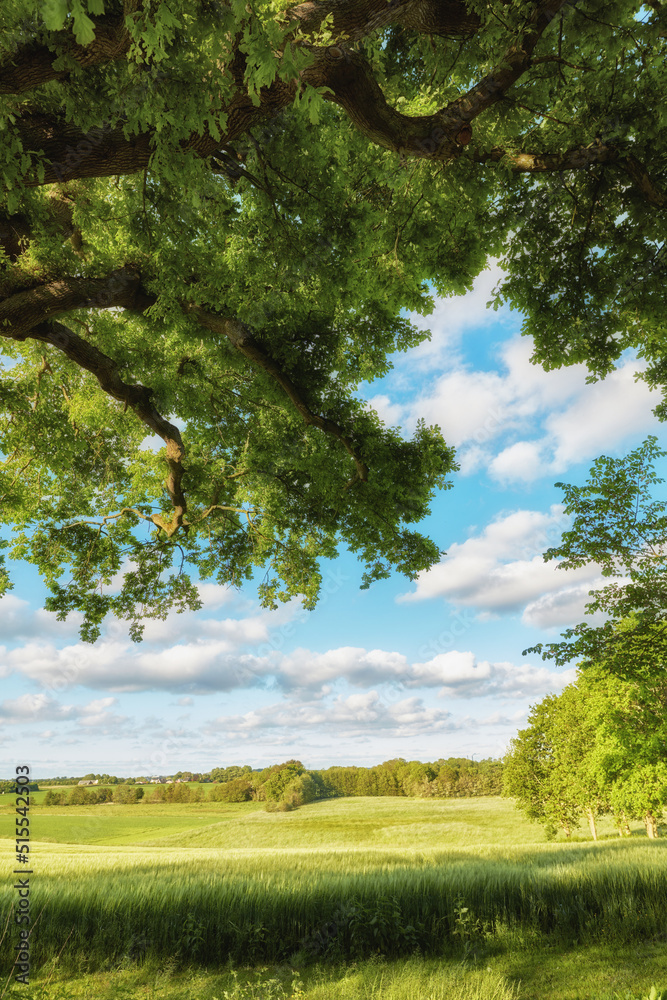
<point x="619" y="522"/>
<point x="600" y="746"/>
<point x="181" y="181"/>
<point x="451" y="778"/>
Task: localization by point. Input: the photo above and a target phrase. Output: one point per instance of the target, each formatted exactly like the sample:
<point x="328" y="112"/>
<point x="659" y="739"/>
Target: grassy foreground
<point x="377" y="899"/>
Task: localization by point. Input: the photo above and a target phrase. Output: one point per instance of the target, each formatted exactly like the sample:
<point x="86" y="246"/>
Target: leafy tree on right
<point x="620" y="524"/>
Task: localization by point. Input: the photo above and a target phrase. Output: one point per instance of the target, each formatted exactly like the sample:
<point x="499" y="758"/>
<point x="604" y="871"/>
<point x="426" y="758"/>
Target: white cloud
<point x="42" y="707"/>
<point x="484" y="571"/>
<point x="389" y="412"/>
<point x="118" y="667"/>
<point x="605" y="415"/>
<point x="461" y="675"/>
<point x="563" y="607"/>
<point x="452" y="316"/>
<point x="19" y="621"/>
<point x="485" y="414"/>
<point x="522" y="460"/>
<point x="345" y="717"/>
<point x="210" y="665"/>
<point x="304" y="669"/>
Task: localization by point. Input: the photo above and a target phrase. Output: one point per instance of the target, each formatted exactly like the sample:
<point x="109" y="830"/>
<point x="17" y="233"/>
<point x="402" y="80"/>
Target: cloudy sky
<point x="417" y="670"/>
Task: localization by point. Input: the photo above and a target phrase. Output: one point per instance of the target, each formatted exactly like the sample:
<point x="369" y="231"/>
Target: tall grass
<point x="206" y="907"/>
<point x="337" y="880"/>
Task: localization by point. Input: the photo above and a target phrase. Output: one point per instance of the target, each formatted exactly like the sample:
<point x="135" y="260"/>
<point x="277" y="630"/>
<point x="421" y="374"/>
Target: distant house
<point x="88" y="781"/>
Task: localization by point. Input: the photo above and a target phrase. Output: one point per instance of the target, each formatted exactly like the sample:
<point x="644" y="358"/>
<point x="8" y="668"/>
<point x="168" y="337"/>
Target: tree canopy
<point x="213" y="215"/>
<point x="597" y="747"/>
<point x="619" y="522"/>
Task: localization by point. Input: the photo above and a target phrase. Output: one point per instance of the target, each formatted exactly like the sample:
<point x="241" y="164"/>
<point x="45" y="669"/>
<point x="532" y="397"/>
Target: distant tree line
<point x="9" y="786"/>
<point x="81" y="796"/>
<point x="600" y="747"/>
<point x="289" y="785"/>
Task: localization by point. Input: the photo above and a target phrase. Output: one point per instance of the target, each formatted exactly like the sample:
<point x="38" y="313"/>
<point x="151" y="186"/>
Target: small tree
<point x="532" y="776"/>
<point x="642" y="794"/>
<point x="619" y="522"/>
<point x="237" y="790"/>
<point x="54" y="798"/>
<point x="127" y="794"/>
<point x="79" y="796"/>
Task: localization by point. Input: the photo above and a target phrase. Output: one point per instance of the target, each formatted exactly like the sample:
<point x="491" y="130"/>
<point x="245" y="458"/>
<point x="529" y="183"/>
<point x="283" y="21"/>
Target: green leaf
<point x="54" y="14"/>
<point x="84" y="28"/>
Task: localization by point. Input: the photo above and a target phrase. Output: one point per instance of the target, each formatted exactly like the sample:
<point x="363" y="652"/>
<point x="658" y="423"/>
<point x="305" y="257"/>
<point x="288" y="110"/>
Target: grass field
<point x="350" y="898"/>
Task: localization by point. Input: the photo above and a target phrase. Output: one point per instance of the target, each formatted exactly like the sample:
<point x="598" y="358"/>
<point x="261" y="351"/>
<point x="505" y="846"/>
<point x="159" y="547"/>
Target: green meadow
<point x="376" y="898"/>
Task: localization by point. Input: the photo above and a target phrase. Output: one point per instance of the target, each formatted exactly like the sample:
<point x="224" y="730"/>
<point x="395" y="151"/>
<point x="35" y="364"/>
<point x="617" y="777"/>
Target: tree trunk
<point x="590" y="816"/>
<point x="651" y="824"/>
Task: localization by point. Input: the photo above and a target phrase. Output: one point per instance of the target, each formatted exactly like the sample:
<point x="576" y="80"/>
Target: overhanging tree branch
<point x="136" y="397"/>
<point x="106" y="151"/>
<point x="353" y="19"/>
<point x="29" y="316"/>
<point x="579" y="158"/>
<point x="439" y="136"/>
<point x="33" y="64"/>
<point x="241" y="337"/>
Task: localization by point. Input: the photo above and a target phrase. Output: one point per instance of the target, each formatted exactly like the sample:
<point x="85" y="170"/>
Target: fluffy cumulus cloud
<point x="484" y="572"/>
<point x="562" y="607"/>
<point x="300" y="674"/>
<point x="461" y="675"/>
<point x="346" y="717"/>
<point x="451" y="317"/>
<point x="42" y="707"/>
<point x="121" y="667"/>
<point x="485" y="414"/>
<point x="361" y="667"/>
<point x="20" y="622"/>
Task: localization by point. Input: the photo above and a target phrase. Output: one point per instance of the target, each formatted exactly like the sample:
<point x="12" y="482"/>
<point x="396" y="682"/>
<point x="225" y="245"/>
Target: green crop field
<point x="385" y="899"/>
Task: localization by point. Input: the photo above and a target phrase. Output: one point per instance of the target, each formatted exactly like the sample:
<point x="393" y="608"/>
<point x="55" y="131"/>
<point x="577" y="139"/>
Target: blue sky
<point x="417" y="670"/>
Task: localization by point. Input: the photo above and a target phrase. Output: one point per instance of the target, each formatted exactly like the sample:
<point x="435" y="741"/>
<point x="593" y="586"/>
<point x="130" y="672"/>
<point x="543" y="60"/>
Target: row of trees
<point x="81" y="796"/>
<point x="455" y="777"/>
<point x="289" y="785"/>
<point x="599" y="747"/>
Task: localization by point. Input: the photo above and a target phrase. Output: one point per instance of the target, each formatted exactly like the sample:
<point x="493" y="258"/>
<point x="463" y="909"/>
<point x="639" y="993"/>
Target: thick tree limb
<point x="641" y="178"/>
<point x="21" y="312"/>
<point x="32" y="65"/>
<point x="513" y="65"/>
<point x="105" y="151"/>
<point x="439" y="136"/>
<point x="27" y="316"/>
<point x="69" y="153"/>
<point x="14" y="235"/>
<point x="241" y="337"/>
<point x="138" y="398"/>
<point x="578" y="159"/>
<point x="355" y="19"/>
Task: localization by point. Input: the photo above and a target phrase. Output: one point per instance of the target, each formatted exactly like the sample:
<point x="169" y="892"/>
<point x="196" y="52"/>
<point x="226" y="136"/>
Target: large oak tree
<point x="213" y="214"/>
